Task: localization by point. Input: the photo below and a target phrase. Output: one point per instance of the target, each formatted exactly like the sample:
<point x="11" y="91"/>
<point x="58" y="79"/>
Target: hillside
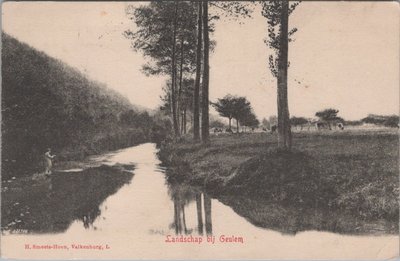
<point x="46" y="103"/>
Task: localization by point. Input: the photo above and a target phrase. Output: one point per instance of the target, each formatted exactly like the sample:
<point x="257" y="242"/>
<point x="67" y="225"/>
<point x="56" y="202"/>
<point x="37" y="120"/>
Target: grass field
<point x="351" y="171"/>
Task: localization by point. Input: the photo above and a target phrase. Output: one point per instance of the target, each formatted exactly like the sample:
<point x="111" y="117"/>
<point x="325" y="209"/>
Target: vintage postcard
<point x="200" y="130"/>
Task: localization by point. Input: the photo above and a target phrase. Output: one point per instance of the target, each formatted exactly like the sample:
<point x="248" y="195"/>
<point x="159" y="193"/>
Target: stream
<point x="148" y="218"/>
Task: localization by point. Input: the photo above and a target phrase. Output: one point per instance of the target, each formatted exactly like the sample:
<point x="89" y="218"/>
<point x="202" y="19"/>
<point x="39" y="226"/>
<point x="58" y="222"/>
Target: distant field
<point x="353" y="170"/>
<point x="380" y="145"/>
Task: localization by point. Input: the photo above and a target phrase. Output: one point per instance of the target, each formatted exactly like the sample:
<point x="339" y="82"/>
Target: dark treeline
<point x="46" y="103"/>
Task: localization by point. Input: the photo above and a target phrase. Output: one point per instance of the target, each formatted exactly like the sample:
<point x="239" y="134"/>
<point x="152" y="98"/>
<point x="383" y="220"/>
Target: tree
<point x="156" y="21"/>
<point x="242" y="109"/>
<point x="186" y="101"/>
<point x="250" y="120"/>
<point x="277" y="14"/>
<point x="392" y="121"/>
<point x="46" y="103"/>
<point x="216" y="124"/>
<point x="273" y="120"/>
<point x="233" y="8"/>
<point x="328" y="115"/>
<point x="166" y="34"/>
<point x="265" y="123"/>
<point x="226" y="107"/>
<point x="388" y="121"/>
<point x="298" y="121"/>
<point x="175" y="117"/>
<point x="233" y="107"/>
<point x="206" y="77"/>
<point x="196" y="94"/>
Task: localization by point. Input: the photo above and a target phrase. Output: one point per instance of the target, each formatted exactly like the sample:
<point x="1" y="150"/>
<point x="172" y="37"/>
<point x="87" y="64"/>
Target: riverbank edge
<point x="65" y="160"/>
<point x="217" y="182"/>
<point x="224" y="181"/>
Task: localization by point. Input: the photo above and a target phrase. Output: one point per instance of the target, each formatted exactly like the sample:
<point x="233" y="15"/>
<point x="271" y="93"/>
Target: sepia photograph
<point x="200" y="130"/>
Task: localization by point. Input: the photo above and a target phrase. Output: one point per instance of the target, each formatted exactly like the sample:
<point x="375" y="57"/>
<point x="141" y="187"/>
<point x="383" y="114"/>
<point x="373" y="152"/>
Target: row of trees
<point x="176" y="38"/>
<point x="388" y="121"/>
<point x="330" y="116"/>
<point x="179" y="45"/>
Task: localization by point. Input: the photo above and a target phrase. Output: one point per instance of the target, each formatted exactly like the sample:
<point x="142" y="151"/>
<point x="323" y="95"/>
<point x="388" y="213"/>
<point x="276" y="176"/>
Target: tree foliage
<point x="272" y="11"/>
<point x="153" y="38"/>
<point x="46" y="103"/>
<point x="226" y="107"/>
<point x="216" y="124"/>
<point x="388" y="121"/>
<point x="238" y="108"/>
<point x="327" y="114"/>
<point x="296" y="121"/>
<point x="250" y="120"/>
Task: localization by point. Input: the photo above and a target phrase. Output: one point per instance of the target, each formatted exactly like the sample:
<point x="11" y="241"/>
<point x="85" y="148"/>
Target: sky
<point x="345" y="55"/>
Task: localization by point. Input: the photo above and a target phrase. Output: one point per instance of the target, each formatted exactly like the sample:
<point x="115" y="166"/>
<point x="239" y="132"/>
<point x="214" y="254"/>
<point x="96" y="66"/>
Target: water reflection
<point x="207" y="210"/>
<point x="51" y="204"/>
<point x="199" y="214"/>
<point x="182" y="195"/>
<point x="285" y="218"/>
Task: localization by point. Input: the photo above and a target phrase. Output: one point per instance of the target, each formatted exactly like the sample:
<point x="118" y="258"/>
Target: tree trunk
<point x="179" y="102"/>
<point x="230" y="126"/>
<point x="284" y="131"/>
<point x="173" y="68"/>
<point x="237" y="126"/>
<point x="176" y="217"/>
<point x="170" y="102"/>
<point x="182" y="123"/>
<point x="206" y="78"/>
<point x="184" y="120"/>
<point x="196" y="94"/>
<point x="191" y="121"/>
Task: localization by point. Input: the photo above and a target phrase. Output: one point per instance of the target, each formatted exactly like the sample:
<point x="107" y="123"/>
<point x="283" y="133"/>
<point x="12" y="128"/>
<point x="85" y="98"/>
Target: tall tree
<point x="277" y="14"/>
<point x="166" y="34"/>
<point x="196" y="94"/>
<point x="186" y="102"/>
<point x="160" y="37"/>
<point x="206" y="77"/>
<point x="232" y="8"/>
<point x="173" y="71"/>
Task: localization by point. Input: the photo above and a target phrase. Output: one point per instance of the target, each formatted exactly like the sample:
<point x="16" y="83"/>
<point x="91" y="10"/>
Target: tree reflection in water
<point x="55" y="202"/>
<point x="182" y="195"/>
<point x="262" y="213"/>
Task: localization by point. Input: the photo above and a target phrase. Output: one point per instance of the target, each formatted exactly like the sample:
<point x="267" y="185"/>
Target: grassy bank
<point x="352" y="172"/>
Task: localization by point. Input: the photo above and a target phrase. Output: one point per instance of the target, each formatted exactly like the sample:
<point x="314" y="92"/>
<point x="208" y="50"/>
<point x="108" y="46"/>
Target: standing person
<point x="48" y="161"/>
